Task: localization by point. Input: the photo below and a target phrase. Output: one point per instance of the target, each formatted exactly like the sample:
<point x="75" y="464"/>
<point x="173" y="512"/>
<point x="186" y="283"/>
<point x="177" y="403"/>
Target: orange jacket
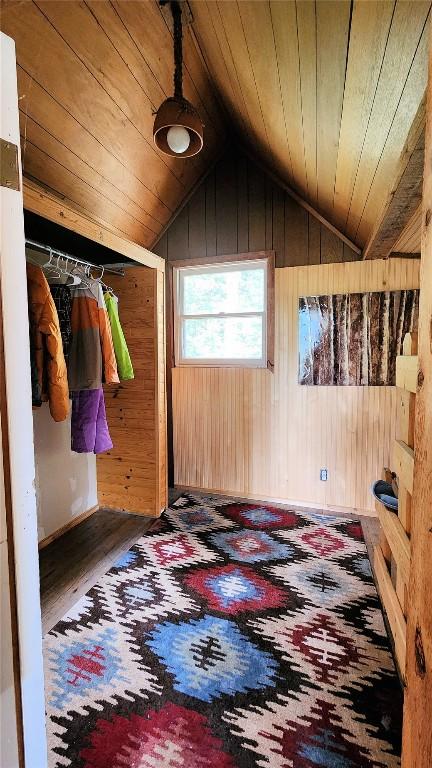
<point x="47" y="344"/>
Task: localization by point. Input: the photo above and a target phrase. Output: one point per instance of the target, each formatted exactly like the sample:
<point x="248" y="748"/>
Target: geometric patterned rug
<point x="231" y="635"/>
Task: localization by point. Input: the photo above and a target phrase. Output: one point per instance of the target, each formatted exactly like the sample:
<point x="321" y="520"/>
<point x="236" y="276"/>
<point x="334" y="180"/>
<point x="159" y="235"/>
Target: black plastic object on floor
<point x="383" y="491"/>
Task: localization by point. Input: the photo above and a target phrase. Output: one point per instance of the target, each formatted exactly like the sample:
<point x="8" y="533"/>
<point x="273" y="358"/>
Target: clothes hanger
<point x="54" y="270"/>
<point x="86" y="278"/>
<point x="99" y="279"/>
<point x="72" y="274"/>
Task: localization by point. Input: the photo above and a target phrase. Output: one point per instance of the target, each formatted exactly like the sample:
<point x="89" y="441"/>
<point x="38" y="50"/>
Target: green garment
<point x="124" y="365"/>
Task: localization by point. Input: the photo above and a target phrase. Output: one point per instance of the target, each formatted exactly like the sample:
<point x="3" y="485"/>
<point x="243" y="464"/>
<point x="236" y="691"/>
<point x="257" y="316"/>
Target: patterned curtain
<point x="354" y="338"/>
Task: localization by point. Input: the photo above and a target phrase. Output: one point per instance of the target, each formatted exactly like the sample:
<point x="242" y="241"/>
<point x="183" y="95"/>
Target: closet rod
<point x="62" y="255"/>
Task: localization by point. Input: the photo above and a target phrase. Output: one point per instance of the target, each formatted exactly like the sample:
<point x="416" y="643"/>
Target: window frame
<point x="214" y="264"/>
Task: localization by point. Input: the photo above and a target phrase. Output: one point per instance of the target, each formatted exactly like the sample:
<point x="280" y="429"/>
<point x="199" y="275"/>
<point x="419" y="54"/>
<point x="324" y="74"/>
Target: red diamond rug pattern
<point x="234" y="635"/>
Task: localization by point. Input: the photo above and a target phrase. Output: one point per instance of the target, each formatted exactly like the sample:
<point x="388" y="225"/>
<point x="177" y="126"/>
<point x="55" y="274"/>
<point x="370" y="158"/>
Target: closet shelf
<point x="53" y="252"/>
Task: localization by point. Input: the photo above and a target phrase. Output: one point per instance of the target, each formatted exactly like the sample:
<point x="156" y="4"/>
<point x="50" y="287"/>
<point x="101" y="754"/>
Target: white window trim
<point x="180" y="360"/>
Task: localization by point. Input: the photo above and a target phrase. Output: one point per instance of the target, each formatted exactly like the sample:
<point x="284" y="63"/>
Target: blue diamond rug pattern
<point x="251" y="546"/>
<point x="209" y="657"/>
<point x="215" y="642"/>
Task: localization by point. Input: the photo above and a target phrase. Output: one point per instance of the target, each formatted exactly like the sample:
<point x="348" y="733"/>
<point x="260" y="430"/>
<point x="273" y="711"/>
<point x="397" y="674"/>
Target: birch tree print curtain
<point x="354" y="338"/>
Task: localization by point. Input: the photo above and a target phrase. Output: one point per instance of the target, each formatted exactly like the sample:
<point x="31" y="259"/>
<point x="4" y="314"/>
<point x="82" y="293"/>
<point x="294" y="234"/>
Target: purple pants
<point x="89" y="425"/>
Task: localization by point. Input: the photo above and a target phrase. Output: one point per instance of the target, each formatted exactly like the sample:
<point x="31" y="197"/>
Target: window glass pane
<point x="226" y="291"/>
<point x="226" y="338"/>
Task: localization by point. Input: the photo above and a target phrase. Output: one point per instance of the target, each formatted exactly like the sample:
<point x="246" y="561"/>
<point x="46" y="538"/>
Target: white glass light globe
<point x="178" y="139"/>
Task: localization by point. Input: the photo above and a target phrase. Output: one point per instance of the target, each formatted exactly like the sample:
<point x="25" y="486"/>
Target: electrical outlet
<point x="323" y="474"/>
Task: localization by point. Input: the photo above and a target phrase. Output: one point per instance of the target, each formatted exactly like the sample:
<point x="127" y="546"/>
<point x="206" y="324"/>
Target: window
<point x="222" y="313"/>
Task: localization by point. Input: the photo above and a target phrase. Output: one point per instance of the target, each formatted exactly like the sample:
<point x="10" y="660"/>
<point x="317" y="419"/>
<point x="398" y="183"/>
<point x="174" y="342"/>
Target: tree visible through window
<point x="221" y="314"/>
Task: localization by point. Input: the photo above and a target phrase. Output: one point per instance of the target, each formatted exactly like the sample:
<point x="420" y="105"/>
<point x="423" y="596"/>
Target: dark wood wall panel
<point x="238" y="208"/>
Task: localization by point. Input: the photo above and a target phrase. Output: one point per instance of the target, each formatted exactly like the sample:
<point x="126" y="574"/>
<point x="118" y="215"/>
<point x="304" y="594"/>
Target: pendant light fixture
<point x="178" y="129"/>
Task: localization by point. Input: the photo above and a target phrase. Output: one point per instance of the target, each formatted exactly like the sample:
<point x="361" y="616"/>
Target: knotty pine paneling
<point x="238" y="208"/>
<point x="260" y="434"/>
<point x="132" y="475"/>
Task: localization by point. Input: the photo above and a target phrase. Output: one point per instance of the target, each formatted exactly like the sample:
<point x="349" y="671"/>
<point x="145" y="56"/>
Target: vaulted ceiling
<point x="90" y="76"/>
<point x="324" y="94"/>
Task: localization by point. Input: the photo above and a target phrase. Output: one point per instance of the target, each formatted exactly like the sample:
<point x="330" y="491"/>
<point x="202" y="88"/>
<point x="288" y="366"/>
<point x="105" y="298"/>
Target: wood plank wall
<point x="238" y="208"/>
<point x="132" y="475"/>
<point x="259" y="434"/>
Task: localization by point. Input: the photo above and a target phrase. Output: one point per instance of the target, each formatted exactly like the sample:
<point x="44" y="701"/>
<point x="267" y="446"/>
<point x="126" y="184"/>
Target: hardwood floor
<point x="74" y="562"/>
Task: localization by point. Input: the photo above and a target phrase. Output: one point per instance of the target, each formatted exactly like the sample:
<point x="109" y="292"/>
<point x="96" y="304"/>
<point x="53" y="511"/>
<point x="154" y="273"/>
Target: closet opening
<point x="99" y="422"/>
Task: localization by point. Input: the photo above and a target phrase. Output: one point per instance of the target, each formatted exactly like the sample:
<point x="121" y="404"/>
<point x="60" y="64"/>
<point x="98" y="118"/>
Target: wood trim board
<point x="407" y="372"/>
<point x="417" y="732"/>
<point x="405" y="197"/>
<point x="269" y="256"/>
<point x="45" y="204"/>
<point x="392" y="608"/>
<point x="131" y="476"/>
<point x="396" y="538"/>
<point x="28" y="726"/>
<point x="295" y="503"/>
<point x="67" y="527"/>
<point x="10" y="542"/>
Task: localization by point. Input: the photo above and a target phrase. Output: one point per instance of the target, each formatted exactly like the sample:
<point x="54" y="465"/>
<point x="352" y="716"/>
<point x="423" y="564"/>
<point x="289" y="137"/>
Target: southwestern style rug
<point x="232" y="635"/>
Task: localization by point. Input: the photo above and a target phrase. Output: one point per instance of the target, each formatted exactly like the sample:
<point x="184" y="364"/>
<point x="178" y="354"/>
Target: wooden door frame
<point x="17" y="419"/>
<point x="417" y="731"/>
<point x="17" y="439"/>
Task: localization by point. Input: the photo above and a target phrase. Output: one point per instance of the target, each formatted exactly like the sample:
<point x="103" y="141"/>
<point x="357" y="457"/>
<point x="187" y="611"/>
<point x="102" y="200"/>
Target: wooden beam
<point x="417" y="731"/>
<point x="404" y="255"/>
<point x="405" y="197"/>
<point x="392" y="608"/>
<point x="404" y="508"/>
<point x="409" y="239"/>
<point x="407" y="372"/>
<point x="405" y="416"/>
<point x="49" y="206"/>
<point x="396" y="538"/>
<point x="403" y="462"/>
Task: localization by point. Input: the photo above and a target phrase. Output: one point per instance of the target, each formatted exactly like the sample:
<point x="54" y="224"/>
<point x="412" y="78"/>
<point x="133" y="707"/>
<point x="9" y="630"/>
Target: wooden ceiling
<point x="90" y="76"/>
<point x="322" y="93"/>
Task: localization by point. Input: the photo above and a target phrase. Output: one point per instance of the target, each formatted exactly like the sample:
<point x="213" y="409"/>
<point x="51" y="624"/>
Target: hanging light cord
<point x="178" y="49"/>
<point x="183" y="104"/>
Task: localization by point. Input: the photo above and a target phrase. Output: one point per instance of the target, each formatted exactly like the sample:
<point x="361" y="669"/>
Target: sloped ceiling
<point x="90" y="76"/>
<point x="322" y="93"/>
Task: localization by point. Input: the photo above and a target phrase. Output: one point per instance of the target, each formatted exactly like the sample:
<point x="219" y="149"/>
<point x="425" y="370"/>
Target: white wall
<point x="66" y="483"/>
